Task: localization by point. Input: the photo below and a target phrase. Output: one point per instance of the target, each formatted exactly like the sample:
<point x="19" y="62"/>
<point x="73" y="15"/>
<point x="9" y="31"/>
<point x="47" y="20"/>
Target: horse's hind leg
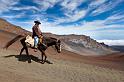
<point x="21" y="51"/>
<point x="23" y="44"/>
<point x="29" y="60"/>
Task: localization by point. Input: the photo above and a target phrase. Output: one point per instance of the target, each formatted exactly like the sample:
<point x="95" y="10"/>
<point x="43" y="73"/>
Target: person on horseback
<point x="37" y="34"/>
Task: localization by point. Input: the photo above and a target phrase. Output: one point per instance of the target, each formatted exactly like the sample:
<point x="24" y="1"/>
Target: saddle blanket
<point x="30" y="41"/>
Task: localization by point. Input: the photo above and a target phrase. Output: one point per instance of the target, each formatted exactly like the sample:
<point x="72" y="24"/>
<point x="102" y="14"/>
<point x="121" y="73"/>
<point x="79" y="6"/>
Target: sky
<point x="102" y="20"/>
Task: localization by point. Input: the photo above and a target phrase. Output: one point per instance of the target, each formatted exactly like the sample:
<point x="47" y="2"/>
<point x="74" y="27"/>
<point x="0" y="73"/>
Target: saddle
<point x="30" y="41"/>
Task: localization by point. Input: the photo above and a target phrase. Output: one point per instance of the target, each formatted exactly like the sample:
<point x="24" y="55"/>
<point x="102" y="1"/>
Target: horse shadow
<point x="25" y="58"/>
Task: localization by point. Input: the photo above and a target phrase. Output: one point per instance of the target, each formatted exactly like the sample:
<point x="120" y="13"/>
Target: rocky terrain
<point x="84" y="45"/>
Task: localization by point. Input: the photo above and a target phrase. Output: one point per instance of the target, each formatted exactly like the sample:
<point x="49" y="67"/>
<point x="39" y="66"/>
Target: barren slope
<point x="12" y="70"/>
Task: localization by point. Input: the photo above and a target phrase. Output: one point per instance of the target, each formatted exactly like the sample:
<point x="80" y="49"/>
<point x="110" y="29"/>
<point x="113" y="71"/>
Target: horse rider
<point x="37" y="34"/>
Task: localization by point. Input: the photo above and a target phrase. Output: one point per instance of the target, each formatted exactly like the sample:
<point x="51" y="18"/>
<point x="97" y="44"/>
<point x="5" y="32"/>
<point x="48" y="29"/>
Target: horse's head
<point x="58" y="46"/>
<point x="50" y="41"/>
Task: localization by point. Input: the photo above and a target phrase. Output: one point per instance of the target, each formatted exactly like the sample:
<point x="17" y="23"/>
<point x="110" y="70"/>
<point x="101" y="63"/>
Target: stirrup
<point x="44" y="45"/>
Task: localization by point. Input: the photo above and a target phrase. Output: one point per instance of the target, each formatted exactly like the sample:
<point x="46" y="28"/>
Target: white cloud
<point x="97" y="3"/>
<point x="71" y="5"/>
<point x="71" y="12"/>
<point x="69" y="8"/>
<point x="25" y="8"/>
<point x="112" y="42"/>
<point x="45" y="4"/>
<point x="72" y="17"/>
<point x="115" y="18"/>
<point x="13" y="17"/>
<point x="106" y="7"/>
<point x="6" y="4"/>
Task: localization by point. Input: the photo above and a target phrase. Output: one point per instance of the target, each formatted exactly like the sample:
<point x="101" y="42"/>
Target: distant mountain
<point x="118" y="48"/>
<point x="81" y="44"/>
<point x="85" y="45"/>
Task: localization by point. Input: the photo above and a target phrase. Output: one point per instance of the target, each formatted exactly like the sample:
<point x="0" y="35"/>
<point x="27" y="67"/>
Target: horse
<point x="48" y="41"/>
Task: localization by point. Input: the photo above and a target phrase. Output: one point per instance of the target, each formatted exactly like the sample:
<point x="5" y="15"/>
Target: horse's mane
<point x="49" y="39"/>
<point x="52" y="38"/>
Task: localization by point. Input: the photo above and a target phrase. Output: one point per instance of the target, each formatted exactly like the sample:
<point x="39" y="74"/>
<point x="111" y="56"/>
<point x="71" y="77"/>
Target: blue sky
<point x="99" y="19"/>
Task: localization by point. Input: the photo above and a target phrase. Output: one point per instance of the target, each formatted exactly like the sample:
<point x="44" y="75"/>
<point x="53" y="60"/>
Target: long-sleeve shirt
<point x="36" y="31"/>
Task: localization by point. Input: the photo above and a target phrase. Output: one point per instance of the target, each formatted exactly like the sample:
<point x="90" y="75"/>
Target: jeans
<point x="36" y="39"/>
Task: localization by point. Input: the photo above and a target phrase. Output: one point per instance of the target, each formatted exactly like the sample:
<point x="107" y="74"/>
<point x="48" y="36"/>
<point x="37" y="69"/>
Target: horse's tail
<point x="12" y="41"/>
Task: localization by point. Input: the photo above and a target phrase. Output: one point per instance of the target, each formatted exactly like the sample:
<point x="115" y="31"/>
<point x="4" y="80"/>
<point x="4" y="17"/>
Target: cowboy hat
<point x="38" y="22"/>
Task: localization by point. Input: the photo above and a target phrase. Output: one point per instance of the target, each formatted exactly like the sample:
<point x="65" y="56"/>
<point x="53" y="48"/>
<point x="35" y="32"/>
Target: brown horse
<point x="48" y="41"/>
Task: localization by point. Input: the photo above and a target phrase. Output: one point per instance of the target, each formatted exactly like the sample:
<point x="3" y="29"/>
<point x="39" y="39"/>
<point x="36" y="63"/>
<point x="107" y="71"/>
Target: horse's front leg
<point x="43" y="55"/>
<point x="41" y="61"/>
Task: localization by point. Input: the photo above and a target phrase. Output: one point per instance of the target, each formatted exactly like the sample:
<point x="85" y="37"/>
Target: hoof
<point x="29" y="61"/>
<point x="48" y="62"/>
<point x="42" y="62"/>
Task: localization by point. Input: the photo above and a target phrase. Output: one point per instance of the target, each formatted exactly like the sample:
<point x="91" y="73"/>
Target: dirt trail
<point x="12" y="70"/>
